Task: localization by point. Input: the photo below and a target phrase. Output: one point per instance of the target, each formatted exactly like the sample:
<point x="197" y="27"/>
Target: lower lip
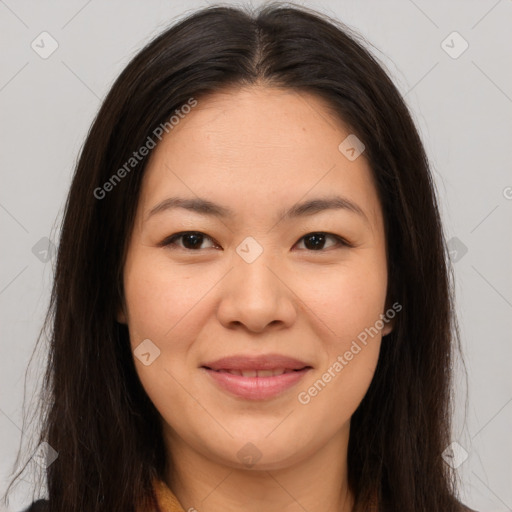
<point x="256" y="388"/>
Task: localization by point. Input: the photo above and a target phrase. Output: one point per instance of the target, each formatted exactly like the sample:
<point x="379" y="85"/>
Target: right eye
<point x="191" y="240"/>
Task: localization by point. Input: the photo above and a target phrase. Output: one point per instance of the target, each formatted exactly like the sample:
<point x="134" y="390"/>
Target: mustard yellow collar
<point x="167" y="501"/>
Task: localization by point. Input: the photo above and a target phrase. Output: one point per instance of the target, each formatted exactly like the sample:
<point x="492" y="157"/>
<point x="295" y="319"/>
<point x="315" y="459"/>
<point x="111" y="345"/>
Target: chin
<point x="260" y="452"/>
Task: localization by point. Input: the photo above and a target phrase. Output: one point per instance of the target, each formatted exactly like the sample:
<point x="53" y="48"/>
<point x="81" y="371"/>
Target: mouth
<point x="274" y="372"/>
<point x="256" y="384"/>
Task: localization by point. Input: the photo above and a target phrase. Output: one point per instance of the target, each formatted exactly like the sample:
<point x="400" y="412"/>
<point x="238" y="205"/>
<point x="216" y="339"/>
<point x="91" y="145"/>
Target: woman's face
<point x="254" y="281"/>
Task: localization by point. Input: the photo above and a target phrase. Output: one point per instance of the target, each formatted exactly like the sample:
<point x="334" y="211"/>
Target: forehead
<point x="238" y="123"/>
<point x="257" y="147"/>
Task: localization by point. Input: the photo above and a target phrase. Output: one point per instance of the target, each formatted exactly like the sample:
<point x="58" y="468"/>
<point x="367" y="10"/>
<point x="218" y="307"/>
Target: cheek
<point x="344" y="301"/>
<point x="345" y="309"/>
<point x="160" y="298"/>
<point x="163" y="306"/>
<point x="167" y="304"/>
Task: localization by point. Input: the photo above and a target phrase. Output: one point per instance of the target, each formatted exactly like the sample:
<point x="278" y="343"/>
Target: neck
<point x="315" y="483"/>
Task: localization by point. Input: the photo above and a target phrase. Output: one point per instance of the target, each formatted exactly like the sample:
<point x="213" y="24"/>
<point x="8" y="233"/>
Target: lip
<point x="256" y="388"/>
<point x="256" y="362"/>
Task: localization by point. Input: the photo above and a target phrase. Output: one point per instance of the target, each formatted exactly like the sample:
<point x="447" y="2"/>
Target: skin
<point x="256" y="150"/>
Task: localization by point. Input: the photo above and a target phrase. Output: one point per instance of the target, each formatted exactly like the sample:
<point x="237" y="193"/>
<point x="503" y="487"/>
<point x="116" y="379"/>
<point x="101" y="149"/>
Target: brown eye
<point x="316" y="241"/>
<point x="191" y="240"/>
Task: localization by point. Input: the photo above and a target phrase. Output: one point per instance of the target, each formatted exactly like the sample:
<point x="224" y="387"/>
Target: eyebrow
<point x="307" y="208"/>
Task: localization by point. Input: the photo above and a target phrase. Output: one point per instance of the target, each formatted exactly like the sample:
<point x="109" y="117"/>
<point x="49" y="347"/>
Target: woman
<point x="301" y="359"/>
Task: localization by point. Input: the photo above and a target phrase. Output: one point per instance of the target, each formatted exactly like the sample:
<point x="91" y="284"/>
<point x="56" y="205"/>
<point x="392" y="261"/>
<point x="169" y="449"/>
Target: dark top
<point x="38" y="506"/>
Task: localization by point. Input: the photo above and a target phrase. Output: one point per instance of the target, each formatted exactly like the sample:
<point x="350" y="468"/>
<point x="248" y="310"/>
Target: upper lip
<point x="260" y="362"/>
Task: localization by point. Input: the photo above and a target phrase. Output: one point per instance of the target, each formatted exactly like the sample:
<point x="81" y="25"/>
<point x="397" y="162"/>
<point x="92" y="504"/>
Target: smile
<point x="256" y="384"/>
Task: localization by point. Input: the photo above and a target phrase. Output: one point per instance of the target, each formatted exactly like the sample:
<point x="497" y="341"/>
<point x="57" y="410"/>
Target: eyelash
<point x="170" y="240"/>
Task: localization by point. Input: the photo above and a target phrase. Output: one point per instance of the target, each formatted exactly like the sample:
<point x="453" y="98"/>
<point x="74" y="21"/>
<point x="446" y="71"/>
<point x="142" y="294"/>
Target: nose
<point x="256" y="296"/>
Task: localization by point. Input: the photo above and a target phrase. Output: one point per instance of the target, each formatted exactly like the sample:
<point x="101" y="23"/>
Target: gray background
<point x="463" y="107"/>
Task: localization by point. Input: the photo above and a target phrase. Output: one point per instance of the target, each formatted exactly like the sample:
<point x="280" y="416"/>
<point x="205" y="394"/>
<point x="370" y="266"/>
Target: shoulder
<point x="37" y="506"/>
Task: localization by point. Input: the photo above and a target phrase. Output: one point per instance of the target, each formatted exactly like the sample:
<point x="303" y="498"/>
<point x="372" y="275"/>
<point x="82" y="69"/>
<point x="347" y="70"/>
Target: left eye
<point x="192" y="240"/>
<point x="316" y="241"/>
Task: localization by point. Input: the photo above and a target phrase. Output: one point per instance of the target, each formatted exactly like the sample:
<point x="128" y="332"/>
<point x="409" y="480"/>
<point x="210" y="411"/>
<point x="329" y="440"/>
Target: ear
<point x="390" y="315"/>
<point x="388" y="327"/>
<point x="121" y="316"/>
<point x="391" y="308"/>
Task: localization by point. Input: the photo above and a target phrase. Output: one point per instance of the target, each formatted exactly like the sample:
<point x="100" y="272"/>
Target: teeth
<point x="258" y="373"/>
<point x="265" y="373"/>
<point x="247" y="373"/>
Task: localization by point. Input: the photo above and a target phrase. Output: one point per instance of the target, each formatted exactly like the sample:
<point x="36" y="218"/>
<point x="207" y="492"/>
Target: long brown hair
<point x="96" y="414"/>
